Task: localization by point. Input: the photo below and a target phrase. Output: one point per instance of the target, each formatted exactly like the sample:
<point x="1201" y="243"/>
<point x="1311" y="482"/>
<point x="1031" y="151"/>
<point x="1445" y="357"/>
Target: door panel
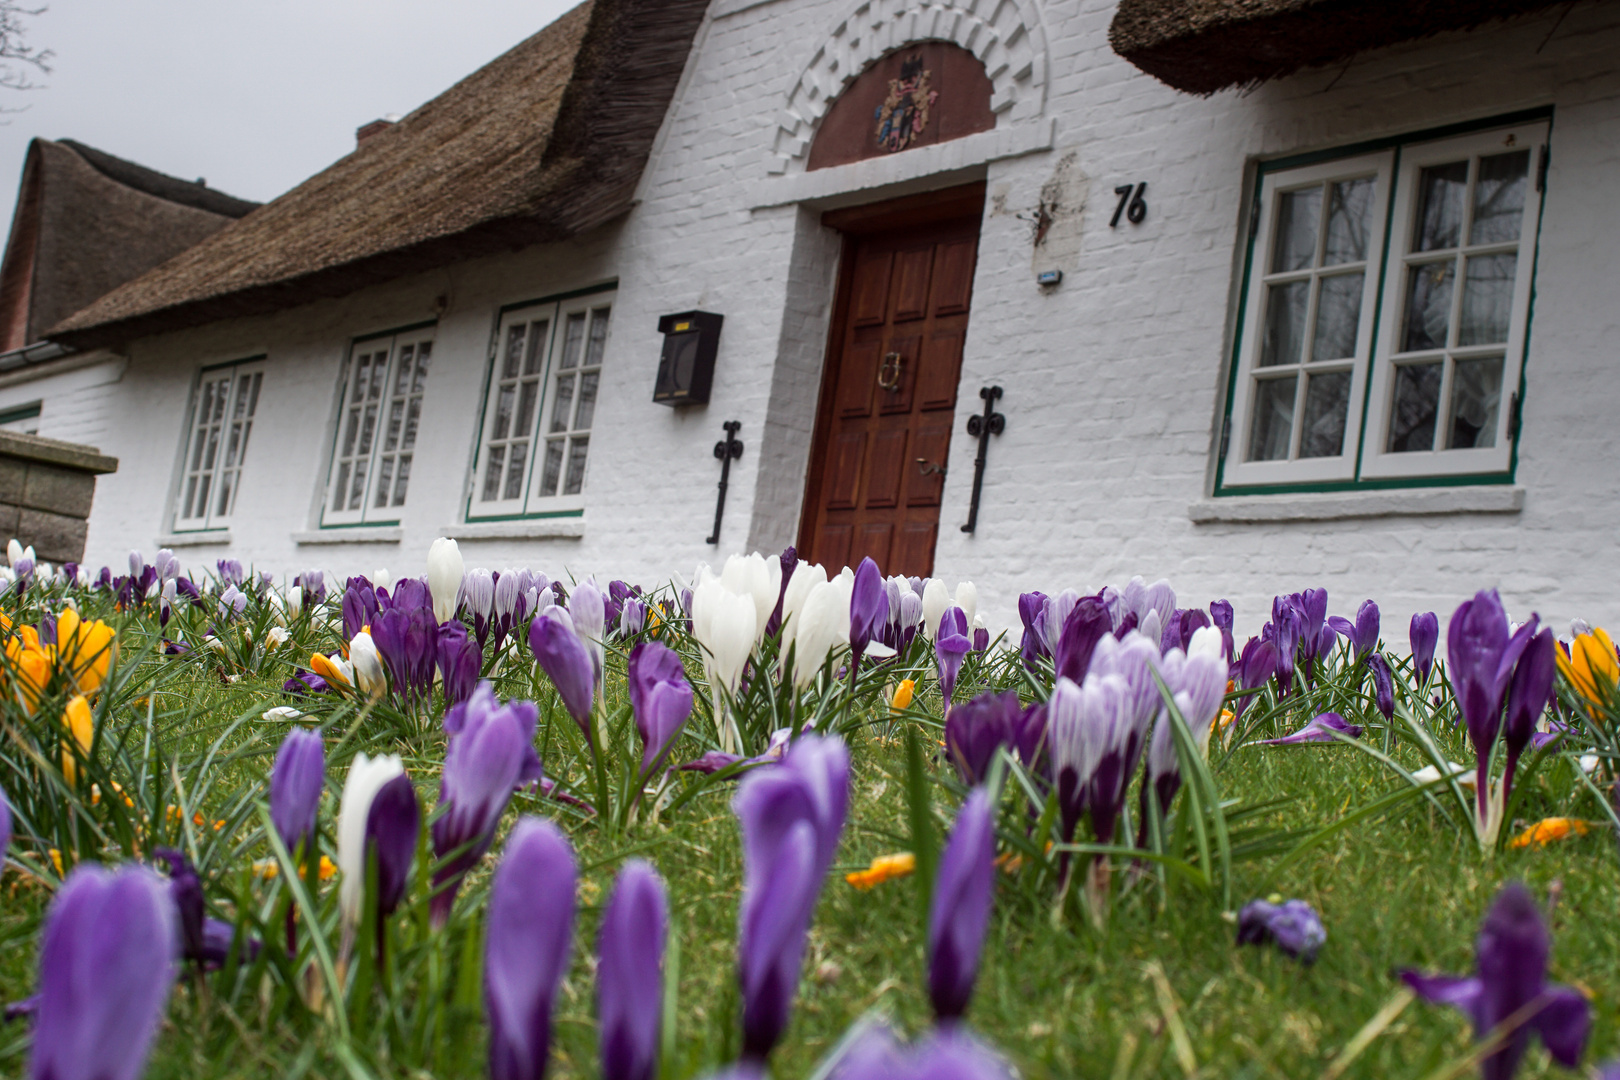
<point x="876" y="469"/>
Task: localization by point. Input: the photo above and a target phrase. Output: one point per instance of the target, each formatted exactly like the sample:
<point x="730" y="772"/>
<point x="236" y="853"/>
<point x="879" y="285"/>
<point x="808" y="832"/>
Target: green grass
<point x="1160" y="991"/>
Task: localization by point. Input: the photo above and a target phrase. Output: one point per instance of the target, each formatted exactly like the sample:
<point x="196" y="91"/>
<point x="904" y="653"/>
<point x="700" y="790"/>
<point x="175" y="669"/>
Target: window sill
<point x="378" y="534"/>
<point x="1413" y="502"/>
<point x="558" y="528"/>
<point x="200" y="538"/>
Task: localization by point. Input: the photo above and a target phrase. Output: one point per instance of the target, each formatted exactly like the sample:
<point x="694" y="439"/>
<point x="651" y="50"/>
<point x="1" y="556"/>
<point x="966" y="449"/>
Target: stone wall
<point x="46" y="488"/>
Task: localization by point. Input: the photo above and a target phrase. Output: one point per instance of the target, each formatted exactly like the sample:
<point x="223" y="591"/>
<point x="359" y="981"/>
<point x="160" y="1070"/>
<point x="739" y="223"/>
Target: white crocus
<point x="366" y="777"/>
<point x="756" y="577"/>
<point x="726" y="625"/>
<point x="382" y="579"/>
<point x="275" y="638"/>
<point x="820" y="628"/>
<point x="370" y="678"/>
<point x="806" y="576"/>
<point x="14" y="551"/>
<point x="936" y="598"/>
<point x="967" y="598"/>
<point x="1207" y="641"/>
<point x="295" y="601"/>
<point x="587" y="607"/>
<point x="445" y="569"/>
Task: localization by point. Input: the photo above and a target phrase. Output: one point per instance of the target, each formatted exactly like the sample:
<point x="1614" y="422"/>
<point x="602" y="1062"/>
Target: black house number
<point x="1131" y="204"/>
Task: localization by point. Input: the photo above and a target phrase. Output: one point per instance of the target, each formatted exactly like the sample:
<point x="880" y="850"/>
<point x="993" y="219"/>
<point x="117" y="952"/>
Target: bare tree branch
<point x="17" y="57"/>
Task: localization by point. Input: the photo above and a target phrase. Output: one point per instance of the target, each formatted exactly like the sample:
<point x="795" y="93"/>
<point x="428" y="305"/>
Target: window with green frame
<point x="1386" y="307"/>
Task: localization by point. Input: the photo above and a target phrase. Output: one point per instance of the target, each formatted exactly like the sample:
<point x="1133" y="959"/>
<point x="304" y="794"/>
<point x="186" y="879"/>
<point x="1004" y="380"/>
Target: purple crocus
<point x="5" y="825"/>
<point x="1220" y="614"/>
<point x="960" y="908"/>
<point x="562" y="656"/>
<point x="106" y="963"/>
<point x="459" y="658"/>
<point x="204" y="941"/>
<point x="1087" y="623"/>
<point x="632" y="617"/>
<point x="1482" y="655"/>
<point x="1529" y="693"/>
<point x="490" y="754"/>
<point x="1322" y="728"/>
<point x="1254" y="669"/>
<point x="1292" y="925"/>
<point x="976" y="729"/>
<point x="1512" y="985"/>
<point x="951" y="646"/>
<point x="660" y="699"/>
<point x="1031" y="608"/>
<point x="530" y="928"/>
<point x="868" y="608"/>
<point x="791" y="818"/>
<point x="313" y="582"/>
<point x="1424" y="635"/>
<point x="1361" y="634"/>
<point x="629" y="986"/>
<point x="296" y="781"/>
<point x="407" y="639"/>
<point x="478" y="597"/>
<point x="1383" y="685"/>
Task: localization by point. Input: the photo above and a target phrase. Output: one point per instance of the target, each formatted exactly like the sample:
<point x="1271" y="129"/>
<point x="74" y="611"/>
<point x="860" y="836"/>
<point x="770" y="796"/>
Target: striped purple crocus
<point x="526" y="945"/>
<point x="629" y="983"/>
<point x="951" y="646"/>
<point x="563" y="657"/>
<point x="107" y="963"/>
<point x="660" y="700"/>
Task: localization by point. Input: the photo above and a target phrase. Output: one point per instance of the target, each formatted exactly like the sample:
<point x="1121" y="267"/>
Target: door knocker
<point x="930" y="468"/>
<point x="889" y="371"/>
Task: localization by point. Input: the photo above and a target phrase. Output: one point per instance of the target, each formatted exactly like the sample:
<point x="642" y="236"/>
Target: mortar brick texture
<point x="1114" y="381"/>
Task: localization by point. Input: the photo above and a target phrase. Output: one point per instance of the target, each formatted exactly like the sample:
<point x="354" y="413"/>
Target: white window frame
<point x="214" y="443"/>
<point x="496" y="442"/>
<point x="1377" y="461"/>
<point x="1294" y="469"/>
<point x="382" y="404"/>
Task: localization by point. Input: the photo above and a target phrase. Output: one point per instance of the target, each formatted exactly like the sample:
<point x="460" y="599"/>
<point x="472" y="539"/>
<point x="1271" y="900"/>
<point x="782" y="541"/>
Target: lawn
<point x="1154" y="986"/>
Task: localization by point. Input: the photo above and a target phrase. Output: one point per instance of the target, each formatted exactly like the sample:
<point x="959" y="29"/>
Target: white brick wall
<point x="1113" y="381"/>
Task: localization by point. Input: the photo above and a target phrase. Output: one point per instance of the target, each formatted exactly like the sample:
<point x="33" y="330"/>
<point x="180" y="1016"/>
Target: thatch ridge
<point x="1202" y="46"/>
<point x="543" y="143"/>
<point x="190" y="193"/>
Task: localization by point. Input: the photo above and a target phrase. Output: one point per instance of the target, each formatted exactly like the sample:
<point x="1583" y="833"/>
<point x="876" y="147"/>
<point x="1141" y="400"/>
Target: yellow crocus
<point x="32" y="668"/>
<point x="82" y="726"/>
<point x="1547" y="830"/>
<point x="883" y="868"/>
<point x="329" y="671"/>
<point x="903" y="694"/>
<point x="1591" y="666"/>
<point x="84" y="650"/>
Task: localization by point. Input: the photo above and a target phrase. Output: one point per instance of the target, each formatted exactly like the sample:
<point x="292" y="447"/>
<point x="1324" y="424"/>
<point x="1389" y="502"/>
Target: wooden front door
<point x="888" y="400"/>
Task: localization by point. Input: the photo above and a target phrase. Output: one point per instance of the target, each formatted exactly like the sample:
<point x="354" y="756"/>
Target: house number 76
<point x="1133" y="206"/>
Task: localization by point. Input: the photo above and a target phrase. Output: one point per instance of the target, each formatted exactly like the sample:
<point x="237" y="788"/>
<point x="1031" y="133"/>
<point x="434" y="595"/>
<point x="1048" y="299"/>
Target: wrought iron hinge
<point x="1541" y="169"/>
<point x="1513" y="418"/>
<point x="1226" y="434"/>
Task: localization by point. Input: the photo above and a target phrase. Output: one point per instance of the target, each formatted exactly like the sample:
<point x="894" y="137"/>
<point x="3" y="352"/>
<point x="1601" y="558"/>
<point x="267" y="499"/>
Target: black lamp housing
<point x="686" y="367"/>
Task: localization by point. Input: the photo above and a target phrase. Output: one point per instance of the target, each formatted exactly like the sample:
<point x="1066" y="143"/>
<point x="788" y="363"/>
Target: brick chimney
<point x="366" y="131"/>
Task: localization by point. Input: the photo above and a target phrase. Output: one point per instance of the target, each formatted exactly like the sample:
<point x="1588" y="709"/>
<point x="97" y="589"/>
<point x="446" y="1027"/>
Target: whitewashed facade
<point x="1116" y="380"/>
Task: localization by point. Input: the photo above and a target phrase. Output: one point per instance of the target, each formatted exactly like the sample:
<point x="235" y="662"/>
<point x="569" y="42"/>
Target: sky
<point x="253" y="97"/>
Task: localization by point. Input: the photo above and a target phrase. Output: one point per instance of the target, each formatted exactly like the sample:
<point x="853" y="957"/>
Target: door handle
<point x="927" y="468"/>
<point x="888" y="375"/>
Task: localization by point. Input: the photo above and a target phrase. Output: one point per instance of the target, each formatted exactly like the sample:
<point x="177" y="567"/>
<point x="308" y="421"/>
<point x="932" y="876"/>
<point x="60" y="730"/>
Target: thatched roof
<point x="543" y="143"/>
<point x="1202" y="46"/>
<point x="85" y="223"/>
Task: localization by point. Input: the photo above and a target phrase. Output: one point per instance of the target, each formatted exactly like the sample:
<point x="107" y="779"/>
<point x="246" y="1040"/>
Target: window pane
<point x="202" y="493"/>
<point x="576" y="465"/>
<point x="1476" y="399"/>
<point x="351" y="431"/>
<point x="1487" y="304"/>
<point x="413" y="416"/>
<point x="424" y="353"/>
<point x="525" y="412"/>
<point x="492" y="473"/>
<point x="401" y="479"/>
<point x="385" y="474"/>
<point x="537" y="338"/>
<point x="1273" y="419"/>
<point x="553" y="467"/>
<point x="1327" y="400"/>
<point x="1417" y="395"/>
<point x="587" y="400"/>
<point x="1428" y="306"/>
<point x="1338" y="316"/>
<point x="514" y="472"/>
<point x="1441" y="189"/>
<point x="402" y="377"/>
<point x="357" y="485"/>
<point x="560" y="408"/>
<point x="514" y="351"/>
<point x="396" y="420"/>
<point x="599" y="329"/>
<point x="191" y="495"/>
<point x="1349" y="208"/>
<point x="573" y="339"/>
<point x="1298" y="212"/>
<point x="340" y="490"/>
<point x="1499" y="198"/>
<point x="1285" y="323"/>
<point x="368" y="428"/>
<point x="224" y="505"/>
<point x="503" y="412"/>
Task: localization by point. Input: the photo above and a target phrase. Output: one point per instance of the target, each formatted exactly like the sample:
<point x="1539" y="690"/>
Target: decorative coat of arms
<point x="904" y="113"/>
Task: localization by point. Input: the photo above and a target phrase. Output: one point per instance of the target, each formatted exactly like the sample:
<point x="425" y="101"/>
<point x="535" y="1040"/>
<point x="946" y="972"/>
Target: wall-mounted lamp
<point x="686" y="366"/>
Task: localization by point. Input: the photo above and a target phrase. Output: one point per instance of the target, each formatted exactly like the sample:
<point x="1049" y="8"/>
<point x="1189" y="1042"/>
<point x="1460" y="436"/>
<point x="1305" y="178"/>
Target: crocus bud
<point x="232" y="602"/>
<point x="530" y="927"/>
<point x="14" y="553"/>
<point x="370" y="678"/>
<point x="951" y="645"/>
<point x="563" y="658"/>
<point x="382" y="579"/>
<point x="629" y="987"/>
<point x="1482" y="653"/>
<point x="960" y="910"/>
<point x="976" y="729"/>
<point x="587" y="608"/>
<point x="1293" y="925"/>
<point x="868" y="607"/>
<point x="459" y="659"/>
<point x="1423" y="636"/>
<point x="490" y="754"/>
<point x="726" y="625"/>
<point x="296" y="782"/>
<point x="445" y="570"/>
<point x="106" y="965"/>
<point x="981" y="634"/>
<point x="369" y="820"/>
<point x="632" y="617"/>
<point x="1087" y="623"/>
<point x="967" y="598"/>
<point x="1383" y="685"/>
<point x="660" y="698"/>
<point x="1529" y="693"/>
<point x="295" y="602"/>
<point x="936" y="598"/>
